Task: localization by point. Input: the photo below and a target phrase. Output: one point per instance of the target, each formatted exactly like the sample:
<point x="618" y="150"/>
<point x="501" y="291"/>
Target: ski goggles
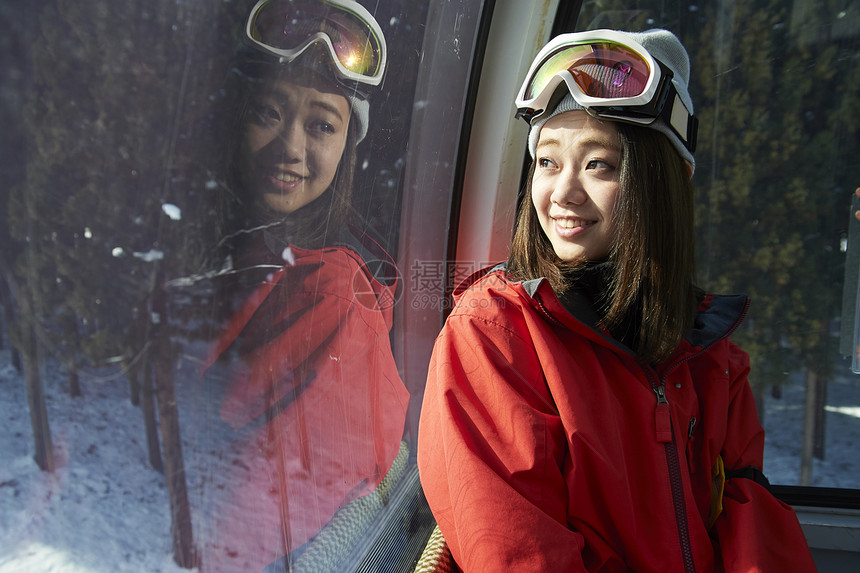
<point x="353" y="38"/>
<point x="611" y="76"/>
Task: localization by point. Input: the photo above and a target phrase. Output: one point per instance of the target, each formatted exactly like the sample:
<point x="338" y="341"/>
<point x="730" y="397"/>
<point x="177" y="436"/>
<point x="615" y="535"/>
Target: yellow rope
<point x="436" y="557"/>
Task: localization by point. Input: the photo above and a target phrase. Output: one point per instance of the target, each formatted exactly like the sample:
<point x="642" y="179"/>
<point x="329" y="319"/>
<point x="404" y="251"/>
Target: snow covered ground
<point x="783" y="425"/>
<point x="105" y="510"/>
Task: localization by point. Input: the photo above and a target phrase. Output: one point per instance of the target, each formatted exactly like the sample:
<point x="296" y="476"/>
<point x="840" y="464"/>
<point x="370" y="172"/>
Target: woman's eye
<point x="598" y="164"/>
<point x="543" y="162"/>
<point x="266" y="113"/>
<point x="324" y="127"/>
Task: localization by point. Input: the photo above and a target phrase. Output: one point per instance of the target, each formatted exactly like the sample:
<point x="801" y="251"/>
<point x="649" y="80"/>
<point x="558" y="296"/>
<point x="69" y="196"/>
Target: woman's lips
<point x="568" y="227"/>
<point x="285" y="179"/>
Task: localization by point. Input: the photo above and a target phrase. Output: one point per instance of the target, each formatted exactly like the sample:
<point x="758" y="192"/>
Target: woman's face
<point x="294" y="135"/>
<point x="575" y="185"/>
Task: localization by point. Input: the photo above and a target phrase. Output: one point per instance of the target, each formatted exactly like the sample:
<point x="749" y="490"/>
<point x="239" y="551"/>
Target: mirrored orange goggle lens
<point x="601" y="70"/>
<point x="287" y="25"/>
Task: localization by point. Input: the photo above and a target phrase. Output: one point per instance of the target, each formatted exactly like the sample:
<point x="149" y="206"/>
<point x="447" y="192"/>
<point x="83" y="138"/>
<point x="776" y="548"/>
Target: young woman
<point x="585" y="410"/>
<point x="312" y="392"/>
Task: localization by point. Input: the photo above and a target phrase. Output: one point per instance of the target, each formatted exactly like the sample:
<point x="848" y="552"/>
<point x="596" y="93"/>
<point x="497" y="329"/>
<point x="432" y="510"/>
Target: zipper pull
<point x="664" y="422"/>
<point x="690" y="429"/>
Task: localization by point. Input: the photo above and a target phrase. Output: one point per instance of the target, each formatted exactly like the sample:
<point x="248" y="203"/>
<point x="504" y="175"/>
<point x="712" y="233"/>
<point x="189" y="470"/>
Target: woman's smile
<point x="570" y="227"/>
<point x="286" y="179"/>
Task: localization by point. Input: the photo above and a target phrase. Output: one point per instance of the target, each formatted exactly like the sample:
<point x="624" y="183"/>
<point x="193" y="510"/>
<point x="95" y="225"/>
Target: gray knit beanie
<point x="360" y="113"/>
<point x="662" y="45"/>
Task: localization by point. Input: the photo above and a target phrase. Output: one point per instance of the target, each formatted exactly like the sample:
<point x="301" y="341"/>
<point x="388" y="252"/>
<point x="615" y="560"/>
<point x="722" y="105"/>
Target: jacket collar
<point x="719" y="315"/>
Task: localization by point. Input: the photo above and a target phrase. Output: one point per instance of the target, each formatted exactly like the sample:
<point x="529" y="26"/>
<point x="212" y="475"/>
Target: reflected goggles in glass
<point x="610" y="75"/>
<point x="353" y="38"/>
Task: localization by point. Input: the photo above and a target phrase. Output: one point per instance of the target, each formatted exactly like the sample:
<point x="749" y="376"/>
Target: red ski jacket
<point x="545" y="446"/>
<point x="314" y="398"/>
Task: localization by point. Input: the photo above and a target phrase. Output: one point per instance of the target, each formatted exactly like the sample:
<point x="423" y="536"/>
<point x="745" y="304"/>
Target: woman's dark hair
<point x="653" y="254"/>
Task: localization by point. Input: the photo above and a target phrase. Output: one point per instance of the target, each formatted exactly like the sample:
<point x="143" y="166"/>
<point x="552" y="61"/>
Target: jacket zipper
<point x="664" y="419"/>
<point x="666" y="436"/>
<point x="670" y="446"/>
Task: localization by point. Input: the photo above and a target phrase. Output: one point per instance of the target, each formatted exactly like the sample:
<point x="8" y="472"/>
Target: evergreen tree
<point x="116" y="201"/>
<point x="779" y="138"/>
<point x="17" y="24"/>
<point x="775" y="85"/>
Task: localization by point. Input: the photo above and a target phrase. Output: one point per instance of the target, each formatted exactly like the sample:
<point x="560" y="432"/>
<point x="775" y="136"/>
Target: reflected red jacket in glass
<point x="545" y="446"/>
<point x="314" y="397"/>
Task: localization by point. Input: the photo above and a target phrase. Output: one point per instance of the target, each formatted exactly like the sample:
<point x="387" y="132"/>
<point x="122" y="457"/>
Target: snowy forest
<point x="111" y="161"/>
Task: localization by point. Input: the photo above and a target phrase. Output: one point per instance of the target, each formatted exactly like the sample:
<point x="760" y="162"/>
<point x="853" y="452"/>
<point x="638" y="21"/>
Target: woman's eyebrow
<point x="548" y="142"/>
<point x="327" y="107"/>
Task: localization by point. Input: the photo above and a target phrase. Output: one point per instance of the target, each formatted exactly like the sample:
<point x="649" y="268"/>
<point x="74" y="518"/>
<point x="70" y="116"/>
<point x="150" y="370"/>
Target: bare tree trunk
<point x="184" y="552"/>
<point x="5" y="300"/>
<point x="174" y="465"/>
<point x="135" y="356"/>
<point x="17" y="362"/>
<point x="819" y="430"/>
<point x="134" y="384"/>
<point x="808" y="441"/>
<point x="9" y="316"/>
<point x="44" y="450"/>
<point x="150" y="420"/>
<point x="75" y="351"/>
<point x="758" y="396"/>
<point x="74" y="383"/>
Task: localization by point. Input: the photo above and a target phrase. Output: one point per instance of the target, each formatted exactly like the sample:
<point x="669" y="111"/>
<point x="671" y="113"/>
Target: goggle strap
<point x="684" y="124"/>
<point x="670" y="108"/>
<point x="679" y="119"/>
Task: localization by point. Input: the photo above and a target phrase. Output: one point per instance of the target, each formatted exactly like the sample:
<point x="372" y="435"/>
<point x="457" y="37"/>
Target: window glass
<point x="210" y="340"/>
<point x="776" y="85"/>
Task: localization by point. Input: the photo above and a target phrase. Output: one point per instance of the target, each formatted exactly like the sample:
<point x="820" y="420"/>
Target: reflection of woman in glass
<point x="314" y="394"/>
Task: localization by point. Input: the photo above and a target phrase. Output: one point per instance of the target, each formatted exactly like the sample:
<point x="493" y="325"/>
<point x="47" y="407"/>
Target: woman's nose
<point x="569" y="190"/>
<point x="291" y="141"/>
